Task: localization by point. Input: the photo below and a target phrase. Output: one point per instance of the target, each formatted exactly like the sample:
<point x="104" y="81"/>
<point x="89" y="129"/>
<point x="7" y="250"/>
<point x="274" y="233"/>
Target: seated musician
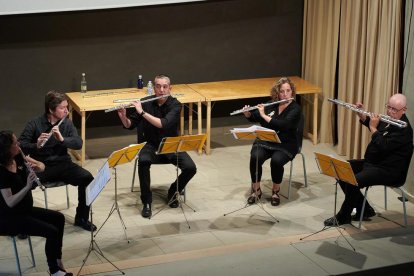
<point x="47" y="138"/>
<point x="155" y="120"/>
<point x="17" y="213"/>
<point x="386" y="160"/>
<point x="284" y="119"/>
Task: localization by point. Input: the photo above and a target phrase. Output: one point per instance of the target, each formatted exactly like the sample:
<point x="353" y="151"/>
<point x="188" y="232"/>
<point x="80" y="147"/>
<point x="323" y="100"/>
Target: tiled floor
<point x="242" y="243"/>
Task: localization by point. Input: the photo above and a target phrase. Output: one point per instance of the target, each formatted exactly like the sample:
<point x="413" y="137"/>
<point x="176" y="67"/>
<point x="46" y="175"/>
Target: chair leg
<point x="290" y="178"/>
<point x="45" y="193"/>
<point x="385" y="198"/>
<point x="304" y="169"/>
<point x="67" y="196"/>
<point x="133" y="175"/>
<point x="31" y="251"/>
<point x="16" y="254"/>
<point x="404" y="207"/>
<point x="363" y="207"/>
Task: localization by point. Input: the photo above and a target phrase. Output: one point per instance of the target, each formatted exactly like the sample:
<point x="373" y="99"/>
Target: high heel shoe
<point x="275" y="200"/>
<point x="255" y="196"/>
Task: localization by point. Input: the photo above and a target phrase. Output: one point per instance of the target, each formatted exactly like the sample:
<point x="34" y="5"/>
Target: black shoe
<point x="22" y="236"/>
<point x="368" y="213"/>
<point x="331" y="221"/>
<point x="85" y="224"/>
<point x="173" y="203"/>
<point x="275" y="200"/>
<point x="255" y="196"/>
<point x="146" y="211"/>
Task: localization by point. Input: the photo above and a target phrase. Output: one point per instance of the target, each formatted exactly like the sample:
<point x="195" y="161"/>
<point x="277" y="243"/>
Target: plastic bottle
<point x="140" y="82"/>
<point x="84" y="86"/>
<point x="150" y="89"/>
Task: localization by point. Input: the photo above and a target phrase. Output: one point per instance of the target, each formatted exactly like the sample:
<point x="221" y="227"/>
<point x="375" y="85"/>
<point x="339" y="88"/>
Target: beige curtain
<point x="320" y="44"/>
<point x="369" y="49"/>
<point x="367" y="64"/>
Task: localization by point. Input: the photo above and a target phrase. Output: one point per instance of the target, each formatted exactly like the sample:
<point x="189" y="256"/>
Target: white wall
<point x="8" y="7"/>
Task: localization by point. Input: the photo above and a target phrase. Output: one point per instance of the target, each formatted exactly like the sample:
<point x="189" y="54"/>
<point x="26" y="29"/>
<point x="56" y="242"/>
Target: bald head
<point x="397" y="105"/>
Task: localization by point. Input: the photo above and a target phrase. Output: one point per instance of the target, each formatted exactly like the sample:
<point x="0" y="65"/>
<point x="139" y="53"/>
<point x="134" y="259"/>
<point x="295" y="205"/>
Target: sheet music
<point x="97" y="184"/>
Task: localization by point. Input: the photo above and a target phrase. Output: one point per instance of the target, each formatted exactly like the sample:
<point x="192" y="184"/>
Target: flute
<point x="30" y="170"/>
<point x="385" y="118"/>
<point x="255" y="107"/>
<point x="51" y="132"/>
<point x="130" y="100"/>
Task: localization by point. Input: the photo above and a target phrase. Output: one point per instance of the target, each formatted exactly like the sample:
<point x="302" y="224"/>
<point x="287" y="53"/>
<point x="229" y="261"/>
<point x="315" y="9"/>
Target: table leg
<point x="190" y="118"/>
<point x="315" y="119"/>
<point x="208" y="127"/>
<point x="83" y="136"/>
<point x="182" y="121"/>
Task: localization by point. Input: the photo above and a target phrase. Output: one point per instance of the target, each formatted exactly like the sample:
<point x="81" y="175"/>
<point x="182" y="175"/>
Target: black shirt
<point x="169" y="113"/>
<point x="391" y="148"/>
<point x="16" y="182"/>
<point x="53" y="151"/>
<point x="285" y="124"/>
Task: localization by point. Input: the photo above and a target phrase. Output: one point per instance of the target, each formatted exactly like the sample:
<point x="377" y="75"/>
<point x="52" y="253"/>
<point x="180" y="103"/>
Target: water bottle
<point x="84" y="86"/>
<point x="150" y="89"/>
<point x="140" y="82"/>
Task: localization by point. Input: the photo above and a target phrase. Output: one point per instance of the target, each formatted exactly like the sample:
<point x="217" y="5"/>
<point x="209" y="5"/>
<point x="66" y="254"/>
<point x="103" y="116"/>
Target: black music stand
<point x="116" y="158"/>
<point x="176" y="145"/>
<point x="340" y="170"/>
<point x="92" y="192"/>
<point x="253" y="133"/>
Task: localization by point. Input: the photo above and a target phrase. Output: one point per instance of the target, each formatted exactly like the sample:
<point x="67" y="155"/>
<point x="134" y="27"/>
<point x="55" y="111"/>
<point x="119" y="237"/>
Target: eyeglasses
<point x="393" y="109"/>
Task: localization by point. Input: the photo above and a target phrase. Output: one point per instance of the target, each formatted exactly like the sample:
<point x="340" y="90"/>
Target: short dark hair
<point x="53" y="99"/>
<point x="6" y="142"/>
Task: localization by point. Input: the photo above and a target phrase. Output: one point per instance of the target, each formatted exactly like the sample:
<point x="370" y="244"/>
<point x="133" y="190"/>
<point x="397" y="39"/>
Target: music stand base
<point x="176" y="196"/>
<point x="337" y="227"/>
<point x="114" y="208"/>
<point x="258" y="203"/>
<point x="93" y="246"/>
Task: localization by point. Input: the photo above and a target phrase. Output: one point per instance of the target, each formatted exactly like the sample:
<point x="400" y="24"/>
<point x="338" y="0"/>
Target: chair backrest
<point x="299" y="132"/>
<point x="407" y="168"/>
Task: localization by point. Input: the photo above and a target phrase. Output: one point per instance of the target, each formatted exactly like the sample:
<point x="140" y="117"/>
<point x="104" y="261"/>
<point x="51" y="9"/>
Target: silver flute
<point x="255" y="107"/>
<point x="385" y="118"/>
<point x="51" y="132"/>
<point x="30" y="170"/>
<point x="128" y="102"/>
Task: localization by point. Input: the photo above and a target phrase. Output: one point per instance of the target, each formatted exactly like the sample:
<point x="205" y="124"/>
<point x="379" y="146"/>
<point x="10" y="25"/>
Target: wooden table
<point x="251" y="88"/>
<point x="104" y="99"/>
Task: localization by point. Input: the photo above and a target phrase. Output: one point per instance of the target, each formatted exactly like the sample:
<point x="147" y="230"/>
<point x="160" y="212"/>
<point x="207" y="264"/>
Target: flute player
<point x="386" y="160"/>
<point x="54" y="153"/>
<point x="155" y="120"/>
<point x="284" y="118"/>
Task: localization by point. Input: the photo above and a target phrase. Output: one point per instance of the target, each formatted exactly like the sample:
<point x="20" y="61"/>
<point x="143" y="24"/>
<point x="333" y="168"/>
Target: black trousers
<point x="261" y="154"/>
<point x="39" y="222"/>
<point x="73" y="174"/>
<point x="148" y="156"/>
<point x="366" y="175"/>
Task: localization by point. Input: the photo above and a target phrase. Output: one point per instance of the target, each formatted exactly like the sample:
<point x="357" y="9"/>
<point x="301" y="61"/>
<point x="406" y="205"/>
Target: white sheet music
<point x="97" y="184"/>
<point x="249" y="129"/>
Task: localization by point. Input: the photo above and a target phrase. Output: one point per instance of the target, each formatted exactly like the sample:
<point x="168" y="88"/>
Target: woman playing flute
<point x="284" y="119"/>
<point x="17" y="213"/>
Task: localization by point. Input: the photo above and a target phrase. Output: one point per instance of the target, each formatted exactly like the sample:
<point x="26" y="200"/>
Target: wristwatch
<point x="142" y="113"/>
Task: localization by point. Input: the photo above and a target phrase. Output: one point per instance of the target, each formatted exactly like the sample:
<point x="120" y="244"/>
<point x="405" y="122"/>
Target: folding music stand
<point x="253" y="133"/>
<point x="176" y="145"/>
<point x="340" y="170"/>
<point x="92" y="192"/>
<point x="116" y="158"/>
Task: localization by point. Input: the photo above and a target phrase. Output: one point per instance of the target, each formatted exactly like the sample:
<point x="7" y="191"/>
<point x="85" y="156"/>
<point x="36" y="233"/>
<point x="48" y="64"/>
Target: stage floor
<point x="243" y="243"/>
